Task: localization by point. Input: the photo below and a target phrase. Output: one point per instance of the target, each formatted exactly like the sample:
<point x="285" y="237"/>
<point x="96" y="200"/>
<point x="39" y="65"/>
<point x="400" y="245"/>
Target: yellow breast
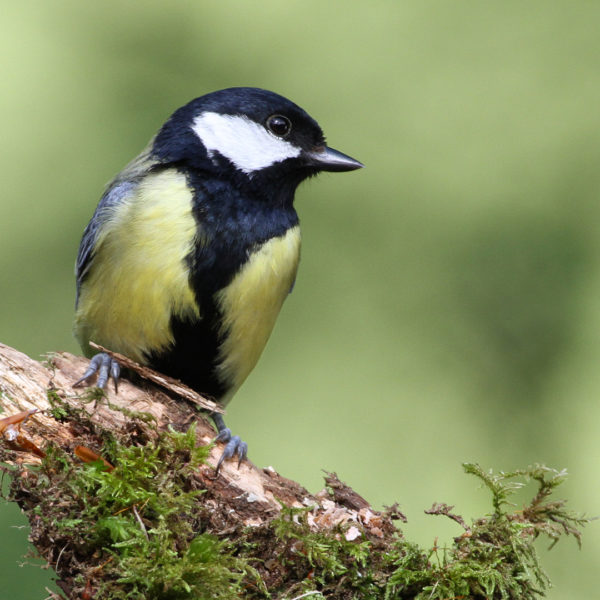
<point x="250" y="305"/>
<point x="139" y="279"/>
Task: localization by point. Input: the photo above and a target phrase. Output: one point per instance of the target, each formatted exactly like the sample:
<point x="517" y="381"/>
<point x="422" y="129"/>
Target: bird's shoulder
<point x="115" y="194"/>
<point x="123" y="186"/>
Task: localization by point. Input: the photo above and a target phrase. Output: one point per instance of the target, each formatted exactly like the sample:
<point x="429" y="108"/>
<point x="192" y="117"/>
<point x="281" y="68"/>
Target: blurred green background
<point x="447" y="307"/>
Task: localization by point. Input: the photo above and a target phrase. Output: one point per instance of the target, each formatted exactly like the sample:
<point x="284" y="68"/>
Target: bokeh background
<point x="447" y="307"/>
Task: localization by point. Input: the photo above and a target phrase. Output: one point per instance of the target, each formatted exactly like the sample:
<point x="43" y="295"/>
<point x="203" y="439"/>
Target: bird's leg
<point x="106" y="367"/>
<point x="233" y="443"/>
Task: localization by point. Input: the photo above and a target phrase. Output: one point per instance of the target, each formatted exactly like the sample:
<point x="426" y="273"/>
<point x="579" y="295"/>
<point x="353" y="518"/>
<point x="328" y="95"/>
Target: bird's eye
<point x="279" y="125"/>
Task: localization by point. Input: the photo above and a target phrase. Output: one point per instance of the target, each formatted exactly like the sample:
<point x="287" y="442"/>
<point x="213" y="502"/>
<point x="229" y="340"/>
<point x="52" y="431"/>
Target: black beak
<point x="328" y="159"/>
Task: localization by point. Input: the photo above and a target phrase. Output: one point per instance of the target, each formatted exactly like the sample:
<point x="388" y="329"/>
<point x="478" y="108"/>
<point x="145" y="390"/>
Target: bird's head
<point x="252" y="135"/>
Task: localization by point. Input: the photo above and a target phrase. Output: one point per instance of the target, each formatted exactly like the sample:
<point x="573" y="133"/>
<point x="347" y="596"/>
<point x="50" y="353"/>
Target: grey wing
<point x="113" y="196"/>
<point x="123" y="185"/>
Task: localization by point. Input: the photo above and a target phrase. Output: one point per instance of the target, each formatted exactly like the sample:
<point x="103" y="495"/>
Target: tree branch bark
<point x="236" y="498"/>
<point x="151" y="519"/>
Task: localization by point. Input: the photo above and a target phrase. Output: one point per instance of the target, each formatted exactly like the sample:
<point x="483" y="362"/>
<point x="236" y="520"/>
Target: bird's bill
<point x="328" y="159"/>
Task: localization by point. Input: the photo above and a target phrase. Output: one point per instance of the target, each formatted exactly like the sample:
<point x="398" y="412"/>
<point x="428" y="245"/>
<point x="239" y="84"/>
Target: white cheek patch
<point x="248" y="145"/>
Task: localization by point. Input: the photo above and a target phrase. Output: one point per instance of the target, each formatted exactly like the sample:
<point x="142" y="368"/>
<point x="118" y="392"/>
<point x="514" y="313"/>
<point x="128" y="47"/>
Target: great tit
<point x="195" y="245"/>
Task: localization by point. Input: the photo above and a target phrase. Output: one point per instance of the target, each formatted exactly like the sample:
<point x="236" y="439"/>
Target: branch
<point x="124" y="502"/>
<point x="173" y="385"/>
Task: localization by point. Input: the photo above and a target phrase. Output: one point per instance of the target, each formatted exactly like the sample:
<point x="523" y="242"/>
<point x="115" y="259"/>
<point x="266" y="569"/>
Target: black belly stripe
<point x="192" y="356"/>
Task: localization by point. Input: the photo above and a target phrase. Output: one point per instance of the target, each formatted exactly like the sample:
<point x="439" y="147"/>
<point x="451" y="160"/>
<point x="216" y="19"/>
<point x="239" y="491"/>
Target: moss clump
<point x="63" y="411"/>
<point x="136" y="528"/>
<point x="324" y="561"/>
<point x="58" y="408"/>
<point x="495" y="558"/>
<point x="145" y="530"/>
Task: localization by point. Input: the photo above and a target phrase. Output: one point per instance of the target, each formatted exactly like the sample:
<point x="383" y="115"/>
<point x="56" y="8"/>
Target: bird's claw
<point x="106" y="367"/>
<point x="233" y="447"/>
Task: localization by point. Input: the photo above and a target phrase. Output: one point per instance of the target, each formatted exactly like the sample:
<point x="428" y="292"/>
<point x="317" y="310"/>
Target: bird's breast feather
<point x="251" y="302"/>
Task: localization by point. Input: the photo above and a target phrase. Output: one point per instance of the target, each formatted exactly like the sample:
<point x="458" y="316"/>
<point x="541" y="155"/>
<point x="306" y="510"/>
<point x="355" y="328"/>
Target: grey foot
<point x="106" y="367"/>
<point x="234" y="446"/>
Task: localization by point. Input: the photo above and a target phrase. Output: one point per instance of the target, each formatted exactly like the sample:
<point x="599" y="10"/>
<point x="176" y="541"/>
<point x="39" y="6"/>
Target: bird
<point x="195" y="244"/>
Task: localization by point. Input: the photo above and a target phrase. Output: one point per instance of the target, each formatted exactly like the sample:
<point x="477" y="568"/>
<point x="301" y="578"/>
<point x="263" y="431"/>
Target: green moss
<point x="326" y="558"/>
<point x="58" y="408"/>
<point x="138" y="524"/>
<point x="62" y="410"/>
<point x="143" y="531"/>
<point x="494" y="558"/>
<point x="145" y="417"/>
<point x="142" y="477"/>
